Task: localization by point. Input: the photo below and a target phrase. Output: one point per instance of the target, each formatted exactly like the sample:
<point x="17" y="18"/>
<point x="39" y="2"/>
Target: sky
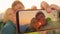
<point x="5" y="4"/>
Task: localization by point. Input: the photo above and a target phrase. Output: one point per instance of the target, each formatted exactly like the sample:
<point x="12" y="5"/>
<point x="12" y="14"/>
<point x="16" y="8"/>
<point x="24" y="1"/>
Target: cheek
<point x="13" y="17"/>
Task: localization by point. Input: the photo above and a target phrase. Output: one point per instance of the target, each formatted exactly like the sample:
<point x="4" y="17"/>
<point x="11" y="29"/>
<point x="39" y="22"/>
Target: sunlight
<point x="27" y="3"/>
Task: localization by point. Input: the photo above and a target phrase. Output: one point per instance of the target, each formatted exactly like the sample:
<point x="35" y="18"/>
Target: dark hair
<point x="39" y="13"/>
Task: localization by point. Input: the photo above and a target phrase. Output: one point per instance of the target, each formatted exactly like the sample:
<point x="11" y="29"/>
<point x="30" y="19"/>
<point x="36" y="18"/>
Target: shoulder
<point x="9" y="23"/>
<point x="8" y="28"/>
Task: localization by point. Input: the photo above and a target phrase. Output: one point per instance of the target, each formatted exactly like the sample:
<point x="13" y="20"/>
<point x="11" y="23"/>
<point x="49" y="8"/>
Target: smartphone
<point x="29" y="21"/>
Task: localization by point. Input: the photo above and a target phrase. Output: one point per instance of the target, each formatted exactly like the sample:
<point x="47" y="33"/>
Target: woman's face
<point x="18" y="7"/>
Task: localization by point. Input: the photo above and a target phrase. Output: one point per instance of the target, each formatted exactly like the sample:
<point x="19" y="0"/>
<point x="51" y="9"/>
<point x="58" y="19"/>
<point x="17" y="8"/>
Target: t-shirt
<point x="9" y="28"/>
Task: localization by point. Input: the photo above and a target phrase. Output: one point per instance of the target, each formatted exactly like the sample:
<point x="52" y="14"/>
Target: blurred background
<point x="4" y="4"/>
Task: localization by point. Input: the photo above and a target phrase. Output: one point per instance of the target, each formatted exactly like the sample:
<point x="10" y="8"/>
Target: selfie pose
<point x="37" y="22"/>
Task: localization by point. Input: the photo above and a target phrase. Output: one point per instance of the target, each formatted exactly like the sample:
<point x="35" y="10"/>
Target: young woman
<point x="10" y="18"/>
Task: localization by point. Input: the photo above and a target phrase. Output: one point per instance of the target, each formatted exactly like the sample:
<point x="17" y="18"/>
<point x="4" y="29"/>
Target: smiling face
<point x="41" y="19"/>
<point x="17" y="5"/>
<point x="38" y="21"/>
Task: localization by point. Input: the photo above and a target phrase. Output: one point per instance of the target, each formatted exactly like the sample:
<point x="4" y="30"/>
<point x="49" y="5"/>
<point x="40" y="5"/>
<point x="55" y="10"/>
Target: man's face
<point x="41" y="20"/>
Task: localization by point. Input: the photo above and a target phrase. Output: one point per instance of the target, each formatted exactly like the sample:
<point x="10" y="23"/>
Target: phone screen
<point x="37" y="20"/>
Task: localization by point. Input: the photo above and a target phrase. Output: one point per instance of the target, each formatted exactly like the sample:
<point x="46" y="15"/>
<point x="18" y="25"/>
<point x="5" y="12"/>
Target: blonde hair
<point x="17" y="2"/>
<point x="6" y="16"/>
